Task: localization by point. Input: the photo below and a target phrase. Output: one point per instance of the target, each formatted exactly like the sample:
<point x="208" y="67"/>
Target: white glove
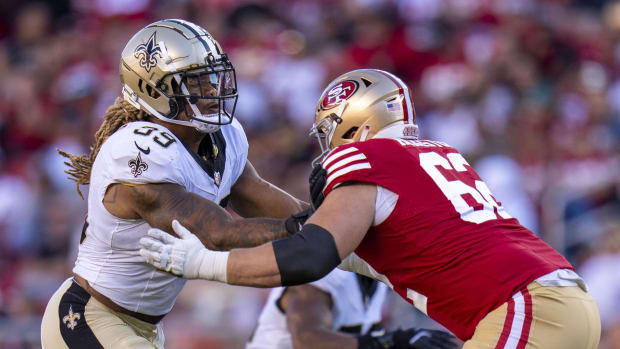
<point x="185" y="257"/>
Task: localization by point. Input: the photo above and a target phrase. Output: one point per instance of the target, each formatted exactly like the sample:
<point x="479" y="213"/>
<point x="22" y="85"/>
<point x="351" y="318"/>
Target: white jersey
<point x="352" y="312"/>
<point x="138" y="153"/>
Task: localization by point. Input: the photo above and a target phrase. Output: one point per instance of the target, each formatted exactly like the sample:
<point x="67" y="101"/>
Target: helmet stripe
<point x="199" y="36"/>
<point x="403" y="101"/>
<point x="404" y="91"/>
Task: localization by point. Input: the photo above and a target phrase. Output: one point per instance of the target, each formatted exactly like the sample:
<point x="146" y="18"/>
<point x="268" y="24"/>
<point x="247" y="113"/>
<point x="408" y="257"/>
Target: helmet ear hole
<point x="174" y="108"/>
<point x="151" y="92"/>
<point x="350" y="133"/>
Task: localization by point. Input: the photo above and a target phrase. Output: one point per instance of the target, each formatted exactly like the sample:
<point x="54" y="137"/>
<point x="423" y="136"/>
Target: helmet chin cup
<point x="204" y="127"/>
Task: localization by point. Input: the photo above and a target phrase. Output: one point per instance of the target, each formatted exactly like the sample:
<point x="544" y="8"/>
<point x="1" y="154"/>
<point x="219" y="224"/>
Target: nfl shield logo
<point x="217" y="178"/>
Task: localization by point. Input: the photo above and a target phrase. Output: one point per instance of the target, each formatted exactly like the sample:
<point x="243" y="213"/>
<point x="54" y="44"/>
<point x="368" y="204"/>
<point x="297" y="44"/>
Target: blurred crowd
<point x="528" y="91"/>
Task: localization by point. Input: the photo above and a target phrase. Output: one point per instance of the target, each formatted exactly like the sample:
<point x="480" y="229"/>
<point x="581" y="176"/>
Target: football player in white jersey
<point x="169" y="148"/>
<point x="341" y="310"/>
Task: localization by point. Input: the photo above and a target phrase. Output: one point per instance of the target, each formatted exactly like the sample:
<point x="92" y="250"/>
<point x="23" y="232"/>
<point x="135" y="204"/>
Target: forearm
<point x="229" y="233"/>
<point x="252" y="196"/>
<point x="252" y="232"/>
<point x="304" y="257"/>
<point x="266" y="200"/>
<point x="254" y="267"/>
<point x="216" y="229"/>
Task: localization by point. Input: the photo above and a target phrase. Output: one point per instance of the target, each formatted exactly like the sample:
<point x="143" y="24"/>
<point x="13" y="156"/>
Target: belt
<point x="152" y="319"/>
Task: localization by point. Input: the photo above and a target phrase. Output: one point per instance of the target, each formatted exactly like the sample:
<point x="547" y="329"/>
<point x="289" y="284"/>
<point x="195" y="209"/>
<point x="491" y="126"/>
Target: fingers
<point x="155" y="253"/>
<point x="443" y="340"/>
<point x="181" y="231"/>
<point x="151" y="257"/>
<point x="151" y="244"/>
<point x="315" y="170"/>
<point x="162" y="236"/>
<point x="442" y="334"/>
<point x="154" y="259"/>
<point x="316" y="190"/>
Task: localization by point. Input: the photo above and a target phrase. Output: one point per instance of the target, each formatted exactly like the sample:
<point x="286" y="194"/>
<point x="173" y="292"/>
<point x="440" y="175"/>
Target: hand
<point x="317" y="183"/>
<point x="423" y="339"/>
<point x="408" y="339"/>
<point x="295" y="222"/>
<point x="185" y="257"/>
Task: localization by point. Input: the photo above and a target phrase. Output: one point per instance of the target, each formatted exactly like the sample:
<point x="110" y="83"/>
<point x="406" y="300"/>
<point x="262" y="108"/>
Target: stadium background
<point x="529" y="91"/>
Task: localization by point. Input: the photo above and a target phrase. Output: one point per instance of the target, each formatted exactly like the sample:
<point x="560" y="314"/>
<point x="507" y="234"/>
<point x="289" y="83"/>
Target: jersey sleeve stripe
<point x="337" y="154"/>
<point x="346" y="160"/>
<point x="346" y="170"/>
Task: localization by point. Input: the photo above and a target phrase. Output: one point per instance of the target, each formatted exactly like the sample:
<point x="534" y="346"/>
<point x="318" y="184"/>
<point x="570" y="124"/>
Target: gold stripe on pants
<point x="562" y="317"/>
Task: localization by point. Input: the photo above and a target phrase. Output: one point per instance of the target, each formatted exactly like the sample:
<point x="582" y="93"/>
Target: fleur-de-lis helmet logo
<point x="147" y="53"/>
<point x="137" y="166"/>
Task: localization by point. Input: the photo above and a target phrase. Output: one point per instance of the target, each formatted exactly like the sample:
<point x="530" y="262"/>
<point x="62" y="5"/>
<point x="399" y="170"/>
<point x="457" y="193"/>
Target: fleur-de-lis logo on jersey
<point x="71" y="319"/>
<point x="137" y="166"/>
<point x="147" y="53"/>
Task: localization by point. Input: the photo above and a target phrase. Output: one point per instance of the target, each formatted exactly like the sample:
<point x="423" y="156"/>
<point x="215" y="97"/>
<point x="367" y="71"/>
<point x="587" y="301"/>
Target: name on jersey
<point x="421" y="143"/>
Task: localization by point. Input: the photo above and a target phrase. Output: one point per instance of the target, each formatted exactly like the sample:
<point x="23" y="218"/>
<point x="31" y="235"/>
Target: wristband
<point x="213" y="265"/>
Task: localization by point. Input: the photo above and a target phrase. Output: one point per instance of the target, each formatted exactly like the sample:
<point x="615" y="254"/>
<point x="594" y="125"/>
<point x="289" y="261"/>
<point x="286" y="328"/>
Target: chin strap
<point x="365" y="133"/>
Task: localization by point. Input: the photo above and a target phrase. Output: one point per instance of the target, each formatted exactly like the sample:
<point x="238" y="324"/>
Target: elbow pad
<point x="306" y="256"/>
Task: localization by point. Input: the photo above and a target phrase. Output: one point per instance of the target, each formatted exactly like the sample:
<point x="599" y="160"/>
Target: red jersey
<point x="448" y="246"/>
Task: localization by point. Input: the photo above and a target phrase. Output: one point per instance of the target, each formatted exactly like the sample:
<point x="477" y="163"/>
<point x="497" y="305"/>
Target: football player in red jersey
<point x="415" y="215"/>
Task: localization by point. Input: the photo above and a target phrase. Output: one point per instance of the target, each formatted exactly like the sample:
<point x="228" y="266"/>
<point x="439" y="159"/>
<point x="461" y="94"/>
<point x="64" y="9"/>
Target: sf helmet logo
<point x="147" y="53"/>
<point x="338" y="93"/>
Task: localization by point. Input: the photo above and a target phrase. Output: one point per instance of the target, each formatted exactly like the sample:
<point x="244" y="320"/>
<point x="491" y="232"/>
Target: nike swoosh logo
<point x="145" y="151"/>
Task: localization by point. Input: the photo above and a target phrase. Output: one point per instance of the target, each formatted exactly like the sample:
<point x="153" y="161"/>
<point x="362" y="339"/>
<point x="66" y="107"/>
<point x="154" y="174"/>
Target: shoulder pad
<point x="142" y="152"/>
<point x="343" y="162"/>
<point x="369" y="161"/>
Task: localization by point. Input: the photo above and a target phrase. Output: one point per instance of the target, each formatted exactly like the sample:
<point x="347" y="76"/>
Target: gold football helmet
<point x="361" y="104"/>
<point x="174" y="65"/>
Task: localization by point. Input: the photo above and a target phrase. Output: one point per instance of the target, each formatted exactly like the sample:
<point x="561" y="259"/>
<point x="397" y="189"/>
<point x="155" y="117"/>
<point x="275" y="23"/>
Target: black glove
<point x="408" y="339"/>
<point x="423" y="339"/>
<point x="294" y="223"/>
<point x="317" y="183"/>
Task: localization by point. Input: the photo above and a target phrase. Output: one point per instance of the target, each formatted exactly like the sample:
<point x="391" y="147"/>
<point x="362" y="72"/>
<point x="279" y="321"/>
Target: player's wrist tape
<point x="306" y="256"/>
<point x="213" y="265"/>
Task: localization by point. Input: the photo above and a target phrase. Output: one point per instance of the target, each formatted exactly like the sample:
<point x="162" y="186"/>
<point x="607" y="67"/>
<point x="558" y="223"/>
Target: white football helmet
<point x="173" y="65"/>
<point x="360" y="104"/>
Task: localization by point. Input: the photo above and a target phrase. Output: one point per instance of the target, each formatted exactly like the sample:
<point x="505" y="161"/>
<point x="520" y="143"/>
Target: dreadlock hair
<point x="117" y="115"/>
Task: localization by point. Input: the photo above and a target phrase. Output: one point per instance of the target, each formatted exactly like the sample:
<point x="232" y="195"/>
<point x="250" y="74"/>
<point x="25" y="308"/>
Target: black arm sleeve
<point x="306" y="256"/>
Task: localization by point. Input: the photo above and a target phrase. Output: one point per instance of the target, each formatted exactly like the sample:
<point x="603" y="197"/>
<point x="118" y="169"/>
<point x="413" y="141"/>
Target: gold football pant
<point x="74" y="319"/>
<point x="541" y="317"/>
